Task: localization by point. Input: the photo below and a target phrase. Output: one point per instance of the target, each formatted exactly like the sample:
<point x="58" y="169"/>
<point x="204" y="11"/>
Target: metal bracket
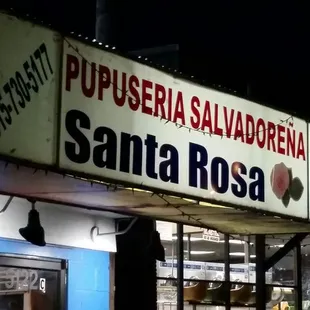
<point x="289" y="246"/>
<point x="94" y="232"/>
<point x="7" y="204"/>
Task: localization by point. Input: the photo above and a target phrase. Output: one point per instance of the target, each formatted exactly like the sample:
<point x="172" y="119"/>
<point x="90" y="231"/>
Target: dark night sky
<point x="230" y="43"/>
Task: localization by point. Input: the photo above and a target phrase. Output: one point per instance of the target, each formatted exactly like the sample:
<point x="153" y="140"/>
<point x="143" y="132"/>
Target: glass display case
<point x="205" y="285"/>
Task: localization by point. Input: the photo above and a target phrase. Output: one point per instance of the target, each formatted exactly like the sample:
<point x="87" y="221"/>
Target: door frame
<point x="37" y="262"/>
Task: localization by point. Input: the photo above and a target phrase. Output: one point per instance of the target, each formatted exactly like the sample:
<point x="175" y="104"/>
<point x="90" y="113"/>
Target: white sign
<point x="29" y="77"/>
<point x="211" y="235"/>
<point x="127" y="122"/>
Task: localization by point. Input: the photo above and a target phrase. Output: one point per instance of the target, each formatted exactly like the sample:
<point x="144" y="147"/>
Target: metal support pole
<point x="246" y="250"/>
<point x="247" y="256"/>
<point x="227" y="271"/>
<point x="298" y="277"/>
<point x="289" y="246"/>
<point x="6" y="205"/>
<point x="180" y="267"/>
<point x="260" y="272"/>
<point x="94" y="232"/>
<point x="189" y="246"/>
<point x="173" y="258"/>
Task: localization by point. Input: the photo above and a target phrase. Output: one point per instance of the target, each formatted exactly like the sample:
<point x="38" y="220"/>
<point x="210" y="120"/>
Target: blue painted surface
<point x="88" y="275"/>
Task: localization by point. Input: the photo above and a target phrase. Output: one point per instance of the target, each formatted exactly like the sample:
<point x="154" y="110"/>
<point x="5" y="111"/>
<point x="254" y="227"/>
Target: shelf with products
<point x="210" y="271"/>
<point x="204" y="284"/>
<point x="210" y="293"/>
<point x="166" y="280"/>
<point x="197" y="306"/>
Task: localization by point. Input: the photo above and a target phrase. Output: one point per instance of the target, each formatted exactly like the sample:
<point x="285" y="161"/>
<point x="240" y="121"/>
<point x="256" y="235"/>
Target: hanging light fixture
<point x="33" y="232"/>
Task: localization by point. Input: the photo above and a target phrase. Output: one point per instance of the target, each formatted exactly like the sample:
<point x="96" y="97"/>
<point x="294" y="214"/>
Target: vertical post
<point x="260" y="272"/>
<point x="227" y="271"/>
<point x="298" y="277"/>
<point x="112" y="281"/>
<point x="189" y="246"/>
<point x="246" y="250"/>
<point x="247" y="256"/>
<point x="172" y="258"/>
<point x="180" y="267"/>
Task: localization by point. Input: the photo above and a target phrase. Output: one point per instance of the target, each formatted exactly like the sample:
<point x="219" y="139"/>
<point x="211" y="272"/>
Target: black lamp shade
<point x="33" y="232"/>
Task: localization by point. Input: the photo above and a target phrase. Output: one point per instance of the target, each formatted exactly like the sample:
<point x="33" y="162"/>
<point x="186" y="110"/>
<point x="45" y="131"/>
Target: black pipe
<point x="227" y="272"/>
<point x="298" y="277"/>
<point x="189" y="257"/>
<point x="180" y="267"/>
<point x="260" y="272"/>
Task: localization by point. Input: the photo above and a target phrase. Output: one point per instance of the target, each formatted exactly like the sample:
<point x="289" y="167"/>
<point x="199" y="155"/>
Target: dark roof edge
<point x="155" y="50"/>
<point x="142" y="60"/>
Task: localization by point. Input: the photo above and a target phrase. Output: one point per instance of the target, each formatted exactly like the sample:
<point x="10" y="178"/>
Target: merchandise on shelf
<point x="239" y="273"/>
<point x="214" y="271"/>
<point x="210" y="271"/>
<point x="192" y="269"/>
<point x="252" y="274"/>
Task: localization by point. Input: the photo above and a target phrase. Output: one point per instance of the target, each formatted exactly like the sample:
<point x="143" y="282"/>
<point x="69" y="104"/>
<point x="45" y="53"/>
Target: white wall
<point x="65" y="226"/>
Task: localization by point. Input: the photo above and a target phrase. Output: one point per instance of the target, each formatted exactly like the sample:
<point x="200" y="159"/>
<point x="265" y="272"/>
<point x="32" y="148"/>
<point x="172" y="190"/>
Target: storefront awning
<point x="104" y="119"/>
<point x="52" y="187"/>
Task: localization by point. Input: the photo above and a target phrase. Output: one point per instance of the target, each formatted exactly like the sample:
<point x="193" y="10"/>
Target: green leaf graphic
<point x="296" y="189"/>
<point x="290" y="173"/>
<point x="286" y="198"/>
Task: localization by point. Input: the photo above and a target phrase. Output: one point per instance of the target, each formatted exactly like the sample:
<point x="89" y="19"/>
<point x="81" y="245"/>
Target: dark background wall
<point x="235" y="44"/>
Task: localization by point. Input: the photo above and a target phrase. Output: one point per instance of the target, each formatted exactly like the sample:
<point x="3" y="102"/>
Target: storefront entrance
<point x="31" y="283"/>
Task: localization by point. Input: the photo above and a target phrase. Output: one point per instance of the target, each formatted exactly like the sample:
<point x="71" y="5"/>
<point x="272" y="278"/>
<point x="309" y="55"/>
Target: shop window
<point x="207" y="284"/>
<point x="305" y="270"/>
<point x="167" y="271"/>
<point x="207" y="249"/>
<point x="242" y="258"/>
<point x="31" y="284"/>
<point x="203" y="254"/>
<point x="281" y="277"/>
<point x="282" y="272"/>
<point x="241" y="270"/>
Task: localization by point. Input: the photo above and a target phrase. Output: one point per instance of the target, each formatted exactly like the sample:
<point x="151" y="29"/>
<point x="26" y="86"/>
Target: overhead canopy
<point x="237" y="163"/>
<point x="48" y="186"/>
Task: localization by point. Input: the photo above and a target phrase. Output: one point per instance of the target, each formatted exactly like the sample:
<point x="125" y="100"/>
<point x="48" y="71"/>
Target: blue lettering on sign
<point x="126" y="152"/>
<point x="104" y="155"/>
<point x="221" y="175"/>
